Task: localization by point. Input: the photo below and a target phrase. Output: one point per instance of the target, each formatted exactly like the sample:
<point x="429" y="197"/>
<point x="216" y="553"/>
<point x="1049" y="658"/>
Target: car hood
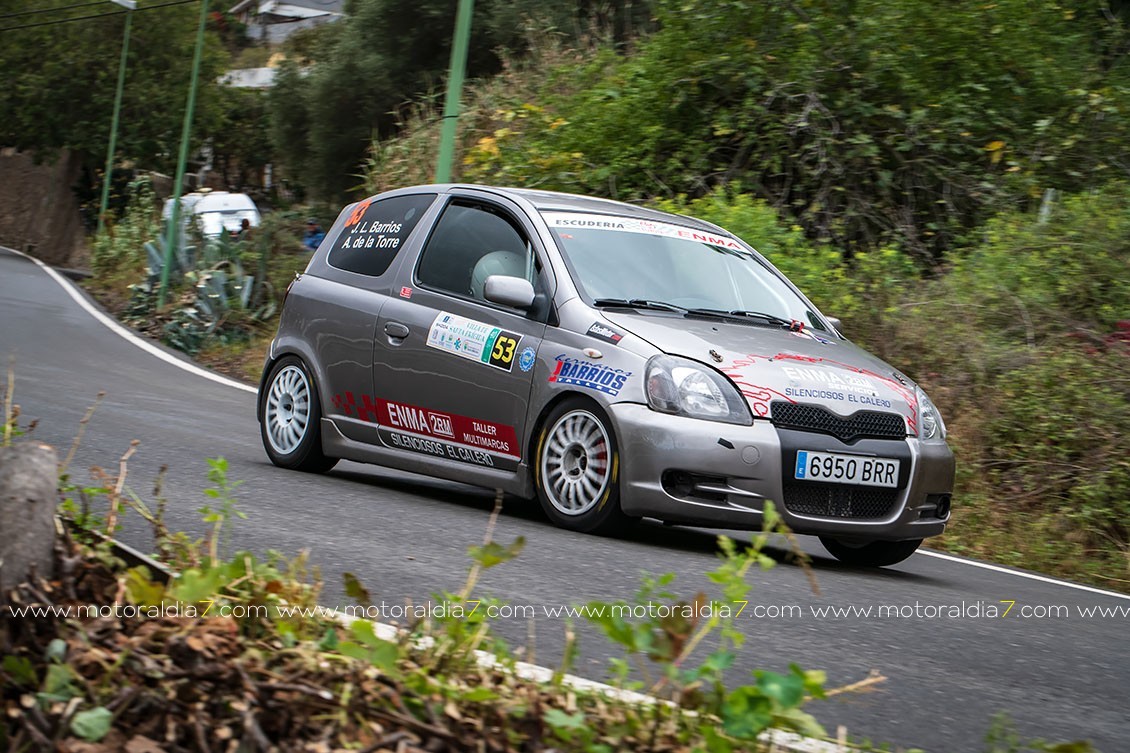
<point x="769" y="364"/>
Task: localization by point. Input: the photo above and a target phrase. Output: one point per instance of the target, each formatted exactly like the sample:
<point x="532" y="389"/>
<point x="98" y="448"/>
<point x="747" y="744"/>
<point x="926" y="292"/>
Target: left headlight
<point x="930" y="425"/>
<point x="686" y="388"/>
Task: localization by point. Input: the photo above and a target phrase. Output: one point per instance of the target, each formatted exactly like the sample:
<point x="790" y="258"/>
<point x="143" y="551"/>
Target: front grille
<point x="839" y="501"/>
<point x="864" y="423"/>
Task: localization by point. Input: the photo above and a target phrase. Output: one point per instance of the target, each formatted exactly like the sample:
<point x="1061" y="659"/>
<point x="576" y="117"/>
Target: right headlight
<point x="930" y="424"/>
<point x="687" y="388"/>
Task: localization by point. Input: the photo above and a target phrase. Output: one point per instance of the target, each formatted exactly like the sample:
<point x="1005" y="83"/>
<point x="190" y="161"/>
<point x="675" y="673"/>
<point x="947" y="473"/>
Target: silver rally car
<point x="615" y="362"/>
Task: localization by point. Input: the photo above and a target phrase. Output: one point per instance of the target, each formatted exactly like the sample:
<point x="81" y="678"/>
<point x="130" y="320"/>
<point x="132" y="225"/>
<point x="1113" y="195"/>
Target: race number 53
<point x="505" y="345"/>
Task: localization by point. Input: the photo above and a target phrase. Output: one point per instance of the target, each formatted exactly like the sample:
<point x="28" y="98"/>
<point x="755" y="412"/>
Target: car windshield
<point x="623" y="259"/>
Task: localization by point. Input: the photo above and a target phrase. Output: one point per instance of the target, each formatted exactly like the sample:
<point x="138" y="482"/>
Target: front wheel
<point x="576" y="469"/>
<point x="291" y="416"/>
<point x="870" y="554"/>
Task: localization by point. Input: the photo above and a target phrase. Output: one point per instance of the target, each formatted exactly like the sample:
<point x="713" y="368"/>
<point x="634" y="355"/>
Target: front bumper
<point x="685" y="470"/>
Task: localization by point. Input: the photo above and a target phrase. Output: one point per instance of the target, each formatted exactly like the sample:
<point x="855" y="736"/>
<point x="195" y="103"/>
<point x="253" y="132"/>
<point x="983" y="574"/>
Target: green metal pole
<point x="173" y="234"/>
<point x="454" y="90"/>
<point x="114" y="121"/>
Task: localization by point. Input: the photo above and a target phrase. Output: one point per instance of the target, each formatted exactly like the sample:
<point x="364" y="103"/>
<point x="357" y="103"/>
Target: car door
<point x="343" y="290"/>
<point x="452" y="371"/>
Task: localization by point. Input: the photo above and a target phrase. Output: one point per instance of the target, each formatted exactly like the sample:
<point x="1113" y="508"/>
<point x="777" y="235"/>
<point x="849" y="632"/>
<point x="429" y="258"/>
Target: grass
<point x="243" y="361"/>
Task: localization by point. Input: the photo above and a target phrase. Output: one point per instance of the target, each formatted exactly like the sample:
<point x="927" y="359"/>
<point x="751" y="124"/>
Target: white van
<point x="216" y="212"/>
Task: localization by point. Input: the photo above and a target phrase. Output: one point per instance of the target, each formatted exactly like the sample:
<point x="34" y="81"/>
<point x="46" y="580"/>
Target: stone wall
<point x="39" y="213"/>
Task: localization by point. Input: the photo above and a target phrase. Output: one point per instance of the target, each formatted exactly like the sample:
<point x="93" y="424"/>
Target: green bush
<point x="1018" y="345"/>
<point x="1067" y="273"/>
<point x="121" y="247"/>
<point x="1059" y="440"/>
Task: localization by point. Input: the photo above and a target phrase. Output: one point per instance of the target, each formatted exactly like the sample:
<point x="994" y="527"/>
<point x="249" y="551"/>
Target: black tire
<point x="300" y="447"/>
<point x="871" y="554"/>
<point x="598" y="512"/>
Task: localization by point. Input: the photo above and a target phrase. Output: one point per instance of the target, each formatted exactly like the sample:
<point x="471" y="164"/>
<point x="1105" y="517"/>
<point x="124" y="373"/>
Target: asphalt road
<point x="405" y="537"/>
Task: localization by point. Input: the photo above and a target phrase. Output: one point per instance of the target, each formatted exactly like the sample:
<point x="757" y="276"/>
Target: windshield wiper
<point x="638" y="303"/>
<point x="740" y="314"/>
<point x="644" y="303"/>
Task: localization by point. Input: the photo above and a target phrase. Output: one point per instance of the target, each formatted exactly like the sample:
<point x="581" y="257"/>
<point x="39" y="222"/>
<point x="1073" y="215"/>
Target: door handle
<point x="396" y="329"/>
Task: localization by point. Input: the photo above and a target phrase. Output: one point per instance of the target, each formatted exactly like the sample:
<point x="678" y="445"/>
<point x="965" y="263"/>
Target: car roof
<point x="568" y="202"/>
<point x="199" y="202"/>
<point x="218" y="201"/>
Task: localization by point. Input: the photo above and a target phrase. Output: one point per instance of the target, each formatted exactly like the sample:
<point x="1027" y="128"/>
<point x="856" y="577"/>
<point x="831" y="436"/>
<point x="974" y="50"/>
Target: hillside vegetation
<point x="948" y="179"/>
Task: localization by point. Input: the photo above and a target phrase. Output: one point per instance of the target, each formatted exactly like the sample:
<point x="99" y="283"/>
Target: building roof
<point x="290" y="8"/>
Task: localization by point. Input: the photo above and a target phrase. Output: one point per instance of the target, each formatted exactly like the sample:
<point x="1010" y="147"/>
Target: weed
<point x="220" y="517"/>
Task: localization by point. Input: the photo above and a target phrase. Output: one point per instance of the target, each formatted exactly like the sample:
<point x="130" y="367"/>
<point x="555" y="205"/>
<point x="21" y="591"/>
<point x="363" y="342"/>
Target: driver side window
<point x="472" y="241"/>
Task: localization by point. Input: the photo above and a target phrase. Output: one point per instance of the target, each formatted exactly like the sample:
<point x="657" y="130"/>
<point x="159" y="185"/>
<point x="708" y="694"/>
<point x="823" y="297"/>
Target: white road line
<point x="1021" y="574"/>
<point x="121" y="331"/>
<point x="194" y="369"/>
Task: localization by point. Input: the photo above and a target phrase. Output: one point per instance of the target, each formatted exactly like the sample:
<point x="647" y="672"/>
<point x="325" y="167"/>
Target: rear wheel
<point x="291" y="418"/>
<point x="576" y="469"/>
<point x="871" y="553"/>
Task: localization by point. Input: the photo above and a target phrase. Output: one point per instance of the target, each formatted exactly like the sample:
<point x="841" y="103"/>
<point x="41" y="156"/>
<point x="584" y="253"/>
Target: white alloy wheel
<point x="575" y="463"/>
<point x="287" y="412"/>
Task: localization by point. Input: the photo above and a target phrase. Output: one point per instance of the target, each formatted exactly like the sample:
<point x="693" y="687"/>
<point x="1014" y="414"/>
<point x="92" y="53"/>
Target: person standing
<point x="313" y="236"/>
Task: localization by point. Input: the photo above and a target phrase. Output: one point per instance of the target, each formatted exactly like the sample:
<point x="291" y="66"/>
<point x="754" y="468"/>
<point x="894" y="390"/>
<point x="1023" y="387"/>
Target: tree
<point x="241" y="146"/>
<point x="383" y="54"/>
<point x="60" y="80"/>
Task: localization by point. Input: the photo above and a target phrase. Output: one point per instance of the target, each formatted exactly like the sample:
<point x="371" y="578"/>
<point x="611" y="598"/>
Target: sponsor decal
<point x="474" y="340"/>
<point x="438" y="449"/>
<point x="581" y="221"/>
<point x="406" y="292"/>
<point x="437" y="433"/>
<point x="593" y="376"/>
<point x="878" y="402"/>
<point x="484" y="435"/>
<point x="527" y="359"/>
<point x="804" y="392"/>
<point x="848" y="382"/>
<point x="851" y="397"/>
<point x="606" y="333"/>
<point x="858" y="385"/>
<point x="416" y="419"/>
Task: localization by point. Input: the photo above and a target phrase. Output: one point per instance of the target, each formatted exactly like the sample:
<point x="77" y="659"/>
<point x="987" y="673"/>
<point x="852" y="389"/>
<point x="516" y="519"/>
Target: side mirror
<point x="836" y="323"/>
<point x="509" y="291"/>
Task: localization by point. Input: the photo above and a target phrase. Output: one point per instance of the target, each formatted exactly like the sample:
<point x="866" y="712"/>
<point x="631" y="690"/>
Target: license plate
<point x="846" y="469"/>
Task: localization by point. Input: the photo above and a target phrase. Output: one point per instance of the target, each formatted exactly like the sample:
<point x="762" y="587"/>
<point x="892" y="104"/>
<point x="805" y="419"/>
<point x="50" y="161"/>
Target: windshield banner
<point x="564" y="221"/>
